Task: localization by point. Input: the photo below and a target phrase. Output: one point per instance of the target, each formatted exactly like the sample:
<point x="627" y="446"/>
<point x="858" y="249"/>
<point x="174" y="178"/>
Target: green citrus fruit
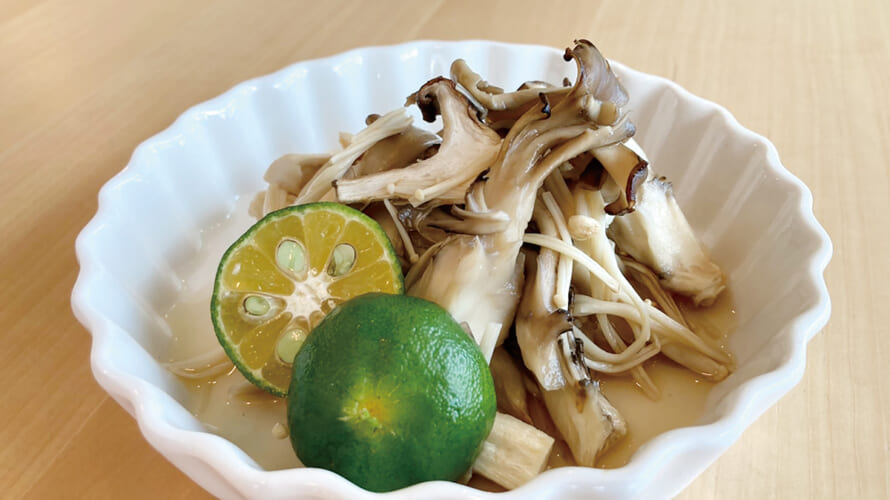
<point x="389" y="391"/>
<point x="285" y="274"/>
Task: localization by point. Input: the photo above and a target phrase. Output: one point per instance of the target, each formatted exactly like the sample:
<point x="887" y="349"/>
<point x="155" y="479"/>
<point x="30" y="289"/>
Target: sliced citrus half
<point x="285" y="274"/>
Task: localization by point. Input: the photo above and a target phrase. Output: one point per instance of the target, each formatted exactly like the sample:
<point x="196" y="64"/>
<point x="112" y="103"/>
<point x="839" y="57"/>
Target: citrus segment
<point x="252" y="270"/>
<point x="285" y="274"/>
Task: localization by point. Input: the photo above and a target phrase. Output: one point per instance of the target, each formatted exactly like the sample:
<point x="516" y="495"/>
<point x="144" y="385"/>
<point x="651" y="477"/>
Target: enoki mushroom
<point x="510" y="219"/>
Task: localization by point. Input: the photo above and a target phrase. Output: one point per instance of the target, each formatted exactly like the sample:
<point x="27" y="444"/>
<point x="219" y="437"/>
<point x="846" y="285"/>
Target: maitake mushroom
<point x="458" y="205"/>
<point x="468" y="147"/>
<point x="658" y="235"/>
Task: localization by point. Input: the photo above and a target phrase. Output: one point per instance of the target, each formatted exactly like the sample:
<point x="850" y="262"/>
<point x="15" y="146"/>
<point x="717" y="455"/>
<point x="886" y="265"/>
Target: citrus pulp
<point x="285" y="273"/>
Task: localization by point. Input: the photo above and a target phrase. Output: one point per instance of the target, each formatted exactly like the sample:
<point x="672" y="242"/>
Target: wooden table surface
<point x="84" y="82"/>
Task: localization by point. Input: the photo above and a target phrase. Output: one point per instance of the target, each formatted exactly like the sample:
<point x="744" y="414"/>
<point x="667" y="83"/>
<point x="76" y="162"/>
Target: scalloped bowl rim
<point x="149" y="404"/>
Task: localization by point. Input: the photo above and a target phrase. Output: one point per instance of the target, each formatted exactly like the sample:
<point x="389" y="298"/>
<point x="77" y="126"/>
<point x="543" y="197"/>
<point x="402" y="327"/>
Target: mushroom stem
<point x="392" y="123"/>
<point x="538" y="321"/>
<point x="541" y="140"/>
<point x="586" y="420"/>
<point x="494" y="98"/>
<point x="468" y="148"/>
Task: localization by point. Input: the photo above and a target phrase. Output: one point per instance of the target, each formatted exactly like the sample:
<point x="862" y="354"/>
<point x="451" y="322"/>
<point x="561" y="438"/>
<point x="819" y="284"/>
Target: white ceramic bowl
<point x="753" y="214"/>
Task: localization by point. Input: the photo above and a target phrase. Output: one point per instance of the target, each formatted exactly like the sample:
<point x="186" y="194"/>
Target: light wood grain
<point x="84" y="82"/>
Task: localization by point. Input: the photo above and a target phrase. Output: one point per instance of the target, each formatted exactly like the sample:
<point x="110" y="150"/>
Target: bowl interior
<point x="148" y="234"/>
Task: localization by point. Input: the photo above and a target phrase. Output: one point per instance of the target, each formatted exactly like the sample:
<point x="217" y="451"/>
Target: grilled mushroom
<point x="468" y="148"/>
<point x="628" y="170"/>
<point x="394" y="152"/>
<point x="658" y="235"/>
<point x="494" y="98"/>
<point x="541" y="140"/>
<point x="286" y="177"/>
<point x="319" y="186"/>
<point x="585" y="418"/>
<point x="539" y="323"/>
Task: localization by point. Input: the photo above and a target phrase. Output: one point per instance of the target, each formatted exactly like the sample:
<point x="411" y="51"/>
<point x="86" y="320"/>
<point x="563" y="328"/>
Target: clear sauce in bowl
<point x="230" y="406"/>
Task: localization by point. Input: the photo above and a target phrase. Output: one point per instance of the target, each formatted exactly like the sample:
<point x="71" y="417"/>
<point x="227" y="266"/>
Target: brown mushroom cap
<point x="606" y="90"/>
